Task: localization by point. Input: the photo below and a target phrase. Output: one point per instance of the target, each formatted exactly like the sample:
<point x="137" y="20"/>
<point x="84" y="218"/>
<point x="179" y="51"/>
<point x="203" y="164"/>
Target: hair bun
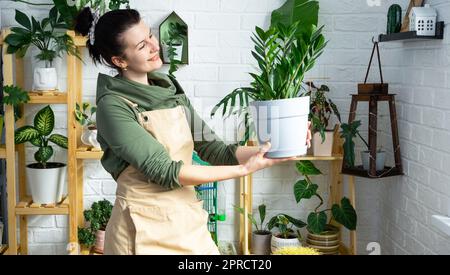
<point x="83" y="21"/>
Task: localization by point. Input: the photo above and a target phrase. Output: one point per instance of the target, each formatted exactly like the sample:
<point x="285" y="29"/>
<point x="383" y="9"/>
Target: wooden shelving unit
<point x="336" y="193"/>
<point x="72" y="204"/>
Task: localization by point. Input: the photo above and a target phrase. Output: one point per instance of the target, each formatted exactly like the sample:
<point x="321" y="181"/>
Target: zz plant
<point x="40" y="135"/>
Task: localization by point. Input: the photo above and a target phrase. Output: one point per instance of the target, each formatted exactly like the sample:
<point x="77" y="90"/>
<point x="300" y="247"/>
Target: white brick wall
<point x="394" y="212"/>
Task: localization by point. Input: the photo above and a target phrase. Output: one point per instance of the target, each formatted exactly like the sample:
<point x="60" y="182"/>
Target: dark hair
<point x="108" y="31"/>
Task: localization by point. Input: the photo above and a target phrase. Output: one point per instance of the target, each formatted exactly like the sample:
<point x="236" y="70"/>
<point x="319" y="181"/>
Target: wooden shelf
<point x="2" y="151"/>
<point x="89" y="153"/>
<point x="27" y="207"/>
<point x="47" y="97"/>
<point x="361" y="172"/>
<point x="412" y="36"/>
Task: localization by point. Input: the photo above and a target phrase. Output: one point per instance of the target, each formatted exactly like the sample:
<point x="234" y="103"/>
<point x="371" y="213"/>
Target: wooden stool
<point x="373" y="100"/>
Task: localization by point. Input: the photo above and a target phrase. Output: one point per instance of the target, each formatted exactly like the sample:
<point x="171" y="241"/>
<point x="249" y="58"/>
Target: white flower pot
<point x="324" y="149"/>
<point x="89" y="138"/>
<point x="47" y="185"/>
<point x="45" y="79"/>
<point x="381" y="157"/>
<point x="284" y="123"/>
<point x="178" y="51"/>
<point x="277" y="242"/>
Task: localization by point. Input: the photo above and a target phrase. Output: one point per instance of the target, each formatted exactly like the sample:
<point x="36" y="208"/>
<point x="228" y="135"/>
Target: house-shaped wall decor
<point x="173" y="32"/>
<point x="423" y="20"/>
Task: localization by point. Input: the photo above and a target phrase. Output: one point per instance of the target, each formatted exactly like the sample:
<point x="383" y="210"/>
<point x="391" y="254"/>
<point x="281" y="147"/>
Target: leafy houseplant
<point x="284" y="53"/>
<point x="49" y="37"/>
<point x="84" y="116"/>
<point x="350" y="131"/>
<point x="173" y="47"/>
<point x="321" y="109"/>
<point x="261" y="236"/>
<point x="15" y="96"/>
<point x="86" y="238"/>
<point x="98" y="217"/>
<point x="47" y="178"/>
<point x="286" y="236"/>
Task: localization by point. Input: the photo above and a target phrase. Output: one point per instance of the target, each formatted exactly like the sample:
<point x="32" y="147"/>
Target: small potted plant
<point x="322" y="235"/>
<point x="286" y="236"/>
<point x="261" y="236"/>
<point x="49" y="36"/>
<point x="321" y="109"/>
<point x="348" y="132"/>
<point x="46" y="179"/>
<point x="98" y="217"/>
<point x="86" y="239"/>
<point x="84" y="116"/>
<point x="173" y="46"/>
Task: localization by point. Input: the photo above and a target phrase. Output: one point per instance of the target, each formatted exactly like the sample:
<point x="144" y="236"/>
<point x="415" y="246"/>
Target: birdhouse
<point x="423" y="20"/>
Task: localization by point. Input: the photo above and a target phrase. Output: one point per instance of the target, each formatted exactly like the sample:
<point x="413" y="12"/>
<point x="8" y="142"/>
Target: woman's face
<point x="142" y="49"/>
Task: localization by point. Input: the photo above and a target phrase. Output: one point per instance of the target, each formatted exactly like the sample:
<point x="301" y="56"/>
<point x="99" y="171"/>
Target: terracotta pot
<point x="99" y="241"/>
<point x="261" y="243"/>
<point x="327" y="242"/>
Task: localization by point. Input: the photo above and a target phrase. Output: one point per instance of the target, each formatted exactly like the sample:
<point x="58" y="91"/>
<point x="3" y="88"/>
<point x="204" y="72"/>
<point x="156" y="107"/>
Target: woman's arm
<point x="195" y="175"/>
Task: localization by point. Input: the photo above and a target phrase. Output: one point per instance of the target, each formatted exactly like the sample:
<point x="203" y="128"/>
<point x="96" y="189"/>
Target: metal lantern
<point x="423" y="20"/>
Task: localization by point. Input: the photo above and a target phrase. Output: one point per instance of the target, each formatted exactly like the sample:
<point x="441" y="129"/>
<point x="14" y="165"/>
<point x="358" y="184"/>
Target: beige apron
<point x="150" y="219"/>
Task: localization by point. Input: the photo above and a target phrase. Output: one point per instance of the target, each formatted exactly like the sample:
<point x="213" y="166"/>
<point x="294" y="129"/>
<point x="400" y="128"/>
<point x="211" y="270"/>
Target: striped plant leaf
<point x="25" y="133"/>
<point x="44" y="121"/>
<point x="59" y="140"/>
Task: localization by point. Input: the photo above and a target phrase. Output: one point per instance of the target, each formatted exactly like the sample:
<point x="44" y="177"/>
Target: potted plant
<point x="98" y="217"/>
<point x="321" y="109"/>
<point x="348" y="132"/>
<point x="49" y="37"/>
<point x="280" y="108"/>
<point x="86" y="238"/>
<point x="322" y="235"/>
<point x="84" y="116"/>
<point x="46" y="179"/>
<point x="261" y="236"/>
<point x="286" y="237"/>
<point x="14" y="96"/>
<point x="172" y="48"/>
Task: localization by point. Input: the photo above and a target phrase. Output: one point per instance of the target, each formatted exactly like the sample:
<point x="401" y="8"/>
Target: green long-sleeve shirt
<point x="125" y="142"/>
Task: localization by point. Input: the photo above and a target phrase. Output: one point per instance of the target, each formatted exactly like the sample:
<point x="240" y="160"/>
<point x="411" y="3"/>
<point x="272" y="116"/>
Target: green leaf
<point x="36" y="142"/>
<point x="23" y="20"/>
<point x="317" y="222"/>
<point x="304" y="190"/>
<point x="68" y="13"/>
<point x="296" y="222"/>
<point x="59" y="140"/>
<point x="345" y="214"/>
<point x="262" y="213"/>
<point x="44" y="121"/>
<point x="249" y="215"/>
<point x="25" y="133"/>
<point x="43" y="154"/>
<point x="305" y="11"/>
<point x="307" y="168"/>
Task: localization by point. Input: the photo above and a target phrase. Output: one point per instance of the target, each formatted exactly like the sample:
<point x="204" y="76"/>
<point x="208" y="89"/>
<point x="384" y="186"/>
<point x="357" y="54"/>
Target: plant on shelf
<point x="262" y="235"/>
<point x="350" y="131"/>
<point x="86" y="238"/>
<point x="286" y="237"/>
<point x="46" y="179"/>
<point x="318" y="224"/>
<point x="98" y="217"/>
<point x="84" y="116"/>
<point x="284" y="54"/>
<point x="15" y="96"/>
<point x="321" y="109"/>
<point x="50" y="38"/>
<point x="173" y="46"/>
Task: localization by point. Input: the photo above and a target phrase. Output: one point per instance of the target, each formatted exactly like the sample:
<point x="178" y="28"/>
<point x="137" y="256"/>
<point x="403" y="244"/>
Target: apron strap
<point x="133" y="106"/>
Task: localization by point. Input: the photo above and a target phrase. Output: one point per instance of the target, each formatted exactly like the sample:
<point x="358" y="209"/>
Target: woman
<point x="146" y="130"/>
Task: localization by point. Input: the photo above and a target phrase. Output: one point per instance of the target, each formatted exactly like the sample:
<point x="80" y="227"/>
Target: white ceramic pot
<point x="47" y="186"/>
<point x="324" y="149"/>
<point x="89" y="138"/>
<point x="277" y="243"/>
<point x="381" y="157"/>
<point x="284" y="123"/>
<point x="45" y="79"/>
<point x="178" y="51"/>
